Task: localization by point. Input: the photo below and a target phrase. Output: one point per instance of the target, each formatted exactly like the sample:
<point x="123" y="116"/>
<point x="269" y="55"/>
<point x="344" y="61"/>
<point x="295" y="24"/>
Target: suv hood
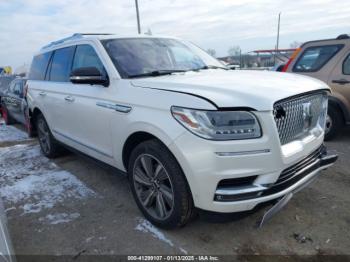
<point x="254" y="89"/>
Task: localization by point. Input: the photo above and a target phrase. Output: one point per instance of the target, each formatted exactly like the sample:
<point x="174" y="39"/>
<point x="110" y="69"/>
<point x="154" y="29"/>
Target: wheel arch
<point x="138" y="137"/>
<point x="132" y="141"/>
<point x="33" y="116"/>
<point x="338" y="104"/>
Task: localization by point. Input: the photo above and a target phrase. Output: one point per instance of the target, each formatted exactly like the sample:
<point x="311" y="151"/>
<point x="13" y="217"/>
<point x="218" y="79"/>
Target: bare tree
<point x="211" y="52"/>
<point x="234" y="50"/>
<point x="295" y="44"/>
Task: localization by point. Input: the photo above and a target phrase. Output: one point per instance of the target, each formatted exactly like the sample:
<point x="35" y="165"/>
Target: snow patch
<point x="33" y="181"/>
<point x="183" y="251"/>
<point x="11" y="133"/>
<point x="146" y="227"/>
<point x="59" y="218"/>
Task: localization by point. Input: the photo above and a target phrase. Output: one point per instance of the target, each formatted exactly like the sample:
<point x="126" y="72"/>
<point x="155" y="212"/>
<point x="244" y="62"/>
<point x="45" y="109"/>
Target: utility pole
<point x="240" y="58"/>
<point x="138" y="17"/>
<point x="278" y="36"/>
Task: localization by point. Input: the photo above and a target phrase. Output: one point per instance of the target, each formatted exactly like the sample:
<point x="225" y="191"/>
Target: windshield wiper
<point x="206" y="67"/>
<point x="157" y="73"/>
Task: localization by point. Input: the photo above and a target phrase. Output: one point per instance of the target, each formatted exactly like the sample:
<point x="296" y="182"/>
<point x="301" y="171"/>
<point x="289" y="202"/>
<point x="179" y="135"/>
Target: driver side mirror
<point x="88" y="75"/>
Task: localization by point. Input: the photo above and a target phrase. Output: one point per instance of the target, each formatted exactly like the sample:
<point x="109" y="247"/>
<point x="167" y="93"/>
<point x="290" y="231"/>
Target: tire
<point x="28" y="125"/>
<point x="334" y="122"/>
<point x="49" y="145"/>
<point x="6" y="116"/>
<point x="171" y="204"/>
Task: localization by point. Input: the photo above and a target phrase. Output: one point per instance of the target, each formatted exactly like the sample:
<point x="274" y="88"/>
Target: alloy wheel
<point x="329" y="124"/>
<point x="153" y="186"/>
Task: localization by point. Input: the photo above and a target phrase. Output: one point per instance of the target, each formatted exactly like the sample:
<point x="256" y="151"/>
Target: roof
<point x="99" y="36"/>
<point x="340" y="38"/>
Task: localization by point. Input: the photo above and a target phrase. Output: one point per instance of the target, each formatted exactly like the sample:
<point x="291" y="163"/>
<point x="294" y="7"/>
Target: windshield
<point x="142" y="56"/>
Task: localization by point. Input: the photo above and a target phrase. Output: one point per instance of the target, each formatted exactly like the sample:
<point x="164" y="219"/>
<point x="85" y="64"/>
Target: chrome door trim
<point x="82" y="144"/>
<point x="116" y="107"/>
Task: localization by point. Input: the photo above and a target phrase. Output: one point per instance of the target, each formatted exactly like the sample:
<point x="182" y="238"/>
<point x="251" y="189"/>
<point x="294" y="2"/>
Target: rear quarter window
<point x="315" y="57"/>
<point x="39" y="66"/>
<point x="346" y="65"/>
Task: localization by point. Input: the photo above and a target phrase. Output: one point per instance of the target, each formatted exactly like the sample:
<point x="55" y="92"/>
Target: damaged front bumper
<point x="291" y="179"/>
<point x="324" y="160"/>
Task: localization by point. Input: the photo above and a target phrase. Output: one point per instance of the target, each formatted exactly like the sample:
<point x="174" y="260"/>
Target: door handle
<point x="42" y="93"/>
<point x="69" y="98"/>
<point x="341" y="81"/>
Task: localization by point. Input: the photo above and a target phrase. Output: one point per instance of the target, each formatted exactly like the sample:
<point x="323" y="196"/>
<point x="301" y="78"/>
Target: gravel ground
<point x="72" y="206"/>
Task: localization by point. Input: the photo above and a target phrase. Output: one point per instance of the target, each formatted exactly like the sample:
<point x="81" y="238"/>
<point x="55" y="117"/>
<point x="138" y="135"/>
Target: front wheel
<point x="49" y="145"/>
<point x="334" y="123"/>
<point x="159" y="186"/>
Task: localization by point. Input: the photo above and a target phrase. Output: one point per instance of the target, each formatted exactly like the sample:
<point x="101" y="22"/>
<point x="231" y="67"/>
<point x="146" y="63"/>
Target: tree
<point x="295" y="44"/>
<point x="234" y="50"/>
<point x="211" y="52"/>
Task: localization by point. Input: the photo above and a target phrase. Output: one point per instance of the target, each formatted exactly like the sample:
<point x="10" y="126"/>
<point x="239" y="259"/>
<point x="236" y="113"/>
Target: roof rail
<point x="74" y="36"/>
<point x="95" y="34"/>
<point x="343" y="36"/>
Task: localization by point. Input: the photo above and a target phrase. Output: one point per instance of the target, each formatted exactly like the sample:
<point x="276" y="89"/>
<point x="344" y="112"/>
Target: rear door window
<point x="11" y="88"/>
<point x="346" y="66"/>
<point x="85" y="56"/>
<point x="314" y="58"/>
<point x="61" y="64"/>
<point x="17" y="89"/>
<point x="39" y="66"/>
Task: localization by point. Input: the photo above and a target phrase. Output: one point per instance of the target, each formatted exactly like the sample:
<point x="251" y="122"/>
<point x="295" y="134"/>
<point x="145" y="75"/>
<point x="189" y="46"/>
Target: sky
<point x="27" y="25"/>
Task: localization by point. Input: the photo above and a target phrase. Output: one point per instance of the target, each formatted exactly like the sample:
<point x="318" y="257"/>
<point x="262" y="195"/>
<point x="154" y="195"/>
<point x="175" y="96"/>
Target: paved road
<point x="72" y="206"/>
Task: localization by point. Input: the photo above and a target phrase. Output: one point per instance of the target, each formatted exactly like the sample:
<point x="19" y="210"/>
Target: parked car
<point x="278" y="67"/>
<point x="14" y="104"/>
<point x="188" y="132"/>
<point x="6" y="249"/>
<point x="233" y="66"/>
<point x="5" y="81"/>
<point x="329" y="61"/>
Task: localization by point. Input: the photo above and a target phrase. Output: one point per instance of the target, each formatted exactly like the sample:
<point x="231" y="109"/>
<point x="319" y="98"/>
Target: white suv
<point x="188" y="132"/>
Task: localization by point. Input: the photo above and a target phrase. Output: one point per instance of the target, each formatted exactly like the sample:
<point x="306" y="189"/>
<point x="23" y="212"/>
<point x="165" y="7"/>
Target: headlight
<point x="323" y="113"/>
<point x="218" y="125"/>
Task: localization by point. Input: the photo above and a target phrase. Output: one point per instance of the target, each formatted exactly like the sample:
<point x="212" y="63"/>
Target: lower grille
<point x="293" y="174"/>
<point x="288" y="177"/>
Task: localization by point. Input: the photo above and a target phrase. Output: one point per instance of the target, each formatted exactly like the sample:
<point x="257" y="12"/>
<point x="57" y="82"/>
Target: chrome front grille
<point x="295" y="117"/>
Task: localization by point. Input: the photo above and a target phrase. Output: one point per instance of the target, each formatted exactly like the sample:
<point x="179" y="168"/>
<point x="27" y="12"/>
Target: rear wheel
<point x="334" y="123"/>
<point x="159" y="185"/>
<point x="6" y="116"/>
<point x="49" y="145"/>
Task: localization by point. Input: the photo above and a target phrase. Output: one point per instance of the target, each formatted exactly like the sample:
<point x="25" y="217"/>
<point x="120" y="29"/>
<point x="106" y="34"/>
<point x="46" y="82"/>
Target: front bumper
<point x="263" y="160"/>
<point x="316" y="161"/>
